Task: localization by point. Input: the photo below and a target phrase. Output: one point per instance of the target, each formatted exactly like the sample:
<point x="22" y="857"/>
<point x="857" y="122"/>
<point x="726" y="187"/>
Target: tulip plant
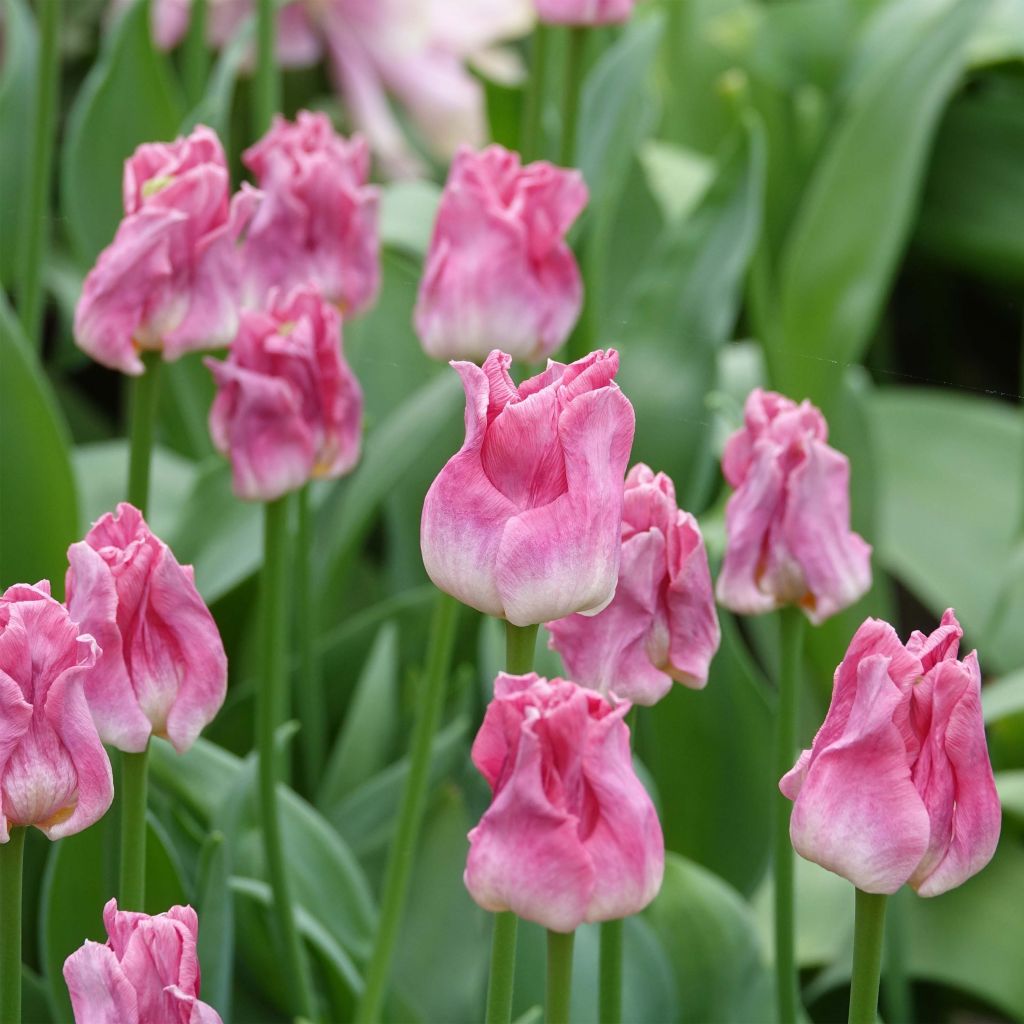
<point x="288" y="764"/>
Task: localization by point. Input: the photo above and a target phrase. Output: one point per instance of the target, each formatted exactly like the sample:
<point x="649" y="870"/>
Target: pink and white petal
<point x="15" y="717"/>
<point x="100" y="992"/>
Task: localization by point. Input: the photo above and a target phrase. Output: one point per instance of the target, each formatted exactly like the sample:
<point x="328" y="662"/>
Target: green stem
<point x="195" y="58"/>
<point x="532" y="145"/>
<point x="269" y="701"/>
<point x="145" y="393"/>
<point x="11" y="859"/>
<point x="869" y="929"/>
<point x="267" y="85"/>
<point x="520" y="645"/>
<point x="35" y="226"/>
<point x="558" y="995"/>
<point x="571" y="96"/>
<point x="310" y="684"/>
<point x="791" y="621"/>
<point x="134" y="783"/>
<point x="410" y="814"/>
<point x="503" y="968"/>
<point x="898" y="995"/>
<point x="610" y="987"/>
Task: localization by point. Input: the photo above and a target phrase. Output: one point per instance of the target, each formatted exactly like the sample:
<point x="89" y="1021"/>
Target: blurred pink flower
<point x="146" y="973"/>
<point x="170" y="279"/>
<point x="898" y="786"/>
<point x="54" y="772"/>
<point x="288" y="407"/>
<point x="163" y="670"/>
<point x="788" y="537"/>
<point x="499" y="271"/>
<point x="661" y="624"/>
<point x="524" y="521"/>
<point x="571" y="834"/>
<point x="317" y="221"/>
<point x="584" y="12"/>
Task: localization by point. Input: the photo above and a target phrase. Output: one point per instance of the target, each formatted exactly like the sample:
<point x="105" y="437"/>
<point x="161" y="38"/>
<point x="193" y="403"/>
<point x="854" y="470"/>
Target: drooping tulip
<point x="788" y="536"/>
<point x="288" y="407"/>
<point x="499" y="273"/>
<point x="524" y="521"/>
<point x="163" y="670"/>
<point x="897" y="786"/>
<point x="661" y="625"/>
<point x="571" y="834"/>
<point x="584" y="12"/>
<point x="54" y="772"/>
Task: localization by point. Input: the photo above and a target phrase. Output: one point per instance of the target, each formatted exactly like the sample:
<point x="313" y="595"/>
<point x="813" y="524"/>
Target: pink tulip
<point x="571" y="834"/>
<point x="288" y="408"/>
<point x="584" y="12"/>
<point x="163" y="670"/>
<point x="317" y="223"/>
<point x="146" y="973"/>
<point x="499" y="271"/>
<point x="897" y="786"/>
<point x="54" y="772"/>
<point x="788" y="524"/>
<point x="524" y="521"/>
<point x="661" y="624"/>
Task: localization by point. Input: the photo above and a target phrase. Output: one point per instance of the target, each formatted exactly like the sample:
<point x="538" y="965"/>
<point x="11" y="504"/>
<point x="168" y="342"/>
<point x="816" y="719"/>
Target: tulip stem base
<point x="787" y="996"/>
<point x="558" y="995"/>
<point x="273" y="634"/>
<point x="503" y="968"/>
<point x="610" y="986"/>
<point x="11" y="860"/>
<point x="520" y="647"/>
<point x="410" y="814"/>
<point x="133" y="790"/>
<point x="310" y="698"/>
<point x="145" y="394"/>
<point x="868" y="933"/>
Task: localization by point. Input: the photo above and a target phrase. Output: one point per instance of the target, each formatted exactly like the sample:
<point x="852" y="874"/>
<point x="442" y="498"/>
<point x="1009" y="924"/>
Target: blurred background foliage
<point x="826" y="196"/>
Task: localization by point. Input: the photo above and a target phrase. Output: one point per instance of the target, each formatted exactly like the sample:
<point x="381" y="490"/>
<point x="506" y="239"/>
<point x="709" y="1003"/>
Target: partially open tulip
<point x="898" y="786"/>
<point x="788" y="537"/>
<point x="288" y="408"/>
<point x="170" y="279"/>
<point x="146" y="973"/>
<point x="661" y="624"/>
<point x="524" y="521"/>
<point x="317" y="221"/>
<point x="499" y="273"/>
<point x="584" y="12"/>
<point x="571" y="834"/>
<point x="54" y="772"/>
<point x="163" y="670"/>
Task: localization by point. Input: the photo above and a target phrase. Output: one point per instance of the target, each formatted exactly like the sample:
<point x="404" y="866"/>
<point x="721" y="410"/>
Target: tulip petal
<point x="100" y="992"/>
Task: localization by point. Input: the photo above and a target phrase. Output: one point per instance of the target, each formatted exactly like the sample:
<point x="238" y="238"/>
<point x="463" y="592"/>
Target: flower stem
<point x="134" y="784"/>
<point x="532" y="144"/>
<point x="559" y="988"/>
<point x="868" y="932"/>
<point x="267" y="91"/>
<point x="571" y="96"/>
<point x="898" y="997"/>
<point x="35" y="225"/>
<point x="195" y="55"/>
<point x="269" y="701"/>
<point x="787" y="997"/>
<point x="520" y="645"/>
<point x="610" y="986"/>
<point x="145" y="392"/>
<point x="310" y="684"/>
<point x="11" y="859"/>
<point x="410" y="814"/>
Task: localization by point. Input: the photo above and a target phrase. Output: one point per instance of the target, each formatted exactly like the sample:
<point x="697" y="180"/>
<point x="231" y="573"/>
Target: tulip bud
<point x="584" y="12"/>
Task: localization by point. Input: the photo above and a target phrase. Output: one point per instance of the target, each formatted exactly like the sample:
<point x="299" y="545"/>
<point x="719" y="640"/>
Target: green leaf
<point x="1003" y="698"/>
<point x="407" y="212"/>
<point x="217" y="924"/>
<point x="202" y="777"/>
<point x="1010" y="786"/>
<point x="214" y="109"/>
<point x="127" y="98"/>
<point x="677" y="177"/>
<point x="38" y="503"/>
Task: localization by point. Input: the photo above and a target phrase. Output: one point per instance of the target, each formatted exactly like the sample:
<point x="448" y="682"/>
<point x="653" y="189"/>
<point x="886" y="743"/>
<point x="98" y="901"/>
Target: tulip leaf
<point x="214" y="109"/>
<point x="407" y="212"/>
<point x="216" y="924"/>
<point x="1010" y="785"/>
<point x="202" y="777"/>
<point x="1003" y="698"/>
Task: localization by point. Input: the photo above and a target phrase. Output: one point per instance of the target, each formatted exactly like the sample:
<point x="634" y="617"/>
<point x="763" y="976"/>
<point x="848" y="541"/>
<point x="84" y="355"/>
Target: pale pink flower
<point x="584" y="12"/>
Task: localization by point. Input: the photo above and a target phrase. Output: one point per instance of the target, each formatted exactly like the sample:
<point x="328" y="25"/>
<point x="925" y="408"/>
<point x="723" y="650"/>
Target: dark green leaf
<point x="217" y="924"/>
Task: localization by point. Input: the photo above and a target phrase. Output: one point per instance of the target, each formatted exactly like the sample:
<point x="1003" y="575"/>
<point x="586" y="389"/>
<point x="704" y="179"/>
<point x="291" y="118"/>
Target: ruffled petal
<point x="100" y="992"/>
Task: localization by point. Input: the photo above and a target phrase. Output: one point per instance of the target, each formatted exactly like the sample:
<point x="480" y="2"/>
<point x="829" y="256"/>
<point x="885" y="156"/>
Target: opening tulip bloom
<point x="898" y="786"/>
<point x="288" y="407"/>
<point x="571" y="834"/>
<point x="147" y="972"/>
<point x="54" y="772"/>
<point x="524" y="521"/>
<point x="584" y="12"/>
<point x="170" y="279"/>
<point x="163" y="670"/>
<point x="662" y="624"/>
<point x="498" y="270"/>
<point x="788" y="537"/>
<point x="317" y="222"/>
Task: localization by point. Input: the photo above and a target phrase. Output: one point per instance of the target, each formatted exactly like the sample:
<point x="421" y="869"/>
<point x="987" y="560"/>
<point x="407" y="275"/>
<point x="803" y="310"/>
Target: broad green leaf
<point x="1000" y="35"/>
<point x="38" y="503"/>
<point x="407" y="211"/>
<point x="214" y="110"/>
<point x="1003" y="698"/>
<point x="677" y="177"/>
<point x="35" y="999"/>
<point x="202" y="777"/>
<point x="127" y="98"/>
<point x="217" y="924"/>
<point x="1010" y="785"/>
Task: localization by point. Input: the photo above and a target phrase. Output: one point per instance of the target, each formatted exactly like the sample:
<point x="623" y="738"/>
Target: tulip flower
<point x="317" y="222"/>
<point x="661" y="625"/>
<point x="571" y="834"/>
<point x="289" y="408"/>
<point x="584" y="12"/>
<point x="170" y="279"/>
<point x="499" y="272"/>
<point x="524" y="521"/>
<point x="897" y="786"/>
<point x="54" y="772"/>
<point x="147" y="972"/>
<point x="788" y="537"/>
